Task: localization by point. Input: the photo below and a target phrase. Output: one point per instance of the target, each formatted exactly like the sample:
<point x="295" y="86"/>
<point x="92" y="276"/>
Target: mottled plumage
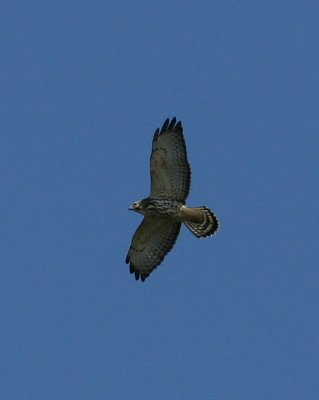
<point x="165" y="210"/>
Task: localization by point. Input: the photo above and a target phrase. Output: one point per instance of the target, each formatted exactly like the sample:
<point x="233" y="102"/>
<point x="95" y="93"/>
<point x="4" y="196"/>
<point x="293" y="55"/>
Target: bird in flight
<point x="164" y="210"/>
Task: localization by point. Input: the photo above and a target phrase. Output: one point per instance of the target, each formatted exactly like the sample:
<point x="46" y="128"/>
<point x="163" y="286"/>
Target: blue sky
<point x="84" y="85"/>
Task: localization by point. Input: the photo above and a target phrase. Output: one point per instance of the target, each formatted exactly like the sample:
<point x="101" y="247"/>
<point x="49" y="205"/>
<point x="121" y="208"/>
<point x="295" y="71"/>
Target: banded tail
<point x="201" y="221"/>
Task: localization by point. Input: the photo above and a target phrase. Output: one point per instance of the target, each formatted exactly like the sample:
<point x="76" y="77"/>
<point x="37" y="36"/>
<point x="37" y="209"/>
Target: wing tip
<point x="172" y="124"/>
<point x="138" y="275"/>
<point x="168" y="125"/>
<point x="165" y="125"/>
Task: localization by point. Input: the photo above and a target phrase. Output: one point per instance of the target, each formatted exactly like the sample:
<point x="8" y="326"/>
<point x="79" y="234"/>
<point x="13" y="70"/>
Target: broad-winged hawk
<point x="165" y="210"/>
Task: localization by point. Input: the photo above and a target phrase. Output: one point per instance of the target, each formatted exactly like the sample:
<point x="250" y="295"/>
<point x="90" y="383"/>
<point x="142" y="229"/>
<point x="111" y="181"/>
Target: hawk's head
<point x="141" y="206"/>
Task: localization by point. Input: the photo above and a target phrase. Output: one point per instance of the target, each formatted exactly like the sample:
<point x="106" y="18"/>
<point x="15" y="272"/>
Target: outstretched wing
<point x="170" y="170"/>
<point x="153" y="239"/>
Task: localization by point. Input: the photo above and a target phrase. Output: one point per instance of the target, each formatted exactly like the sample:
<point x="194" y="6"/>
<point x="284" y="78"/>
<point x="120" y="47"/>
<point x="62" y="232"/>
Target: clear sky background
<point x="84" y="85"/>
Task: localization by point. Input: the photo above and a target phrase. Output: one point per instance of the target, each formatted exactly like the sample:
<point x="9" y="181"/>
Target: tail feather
<point x="201" y="221"/>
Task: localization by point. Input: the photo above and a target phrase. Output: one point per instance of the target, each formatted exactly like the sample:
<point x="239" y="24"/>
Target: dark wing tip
<point x="138" y="275"/>
<point x="168" y="125"/>
<point x="165" y="125"/>
<point x="178" y="126"/>
<point x="156" y="133"/>
<point x="172" y="123"/>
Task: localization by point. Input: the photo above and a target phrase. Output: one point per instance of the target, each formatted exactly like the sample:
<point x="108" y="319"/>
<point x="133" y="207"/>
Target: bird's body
<point x="152" y="206"/>
<point x="164" y="210"/>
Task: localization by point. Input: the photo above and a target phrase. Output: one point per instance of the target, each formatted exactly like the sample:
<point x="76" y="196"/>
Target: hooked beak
<point x="131" y="207"/>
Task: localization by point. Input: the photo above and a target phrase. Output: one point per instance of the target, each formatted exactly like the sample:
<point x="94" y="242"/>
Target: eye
<point x="135" y="204"/>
